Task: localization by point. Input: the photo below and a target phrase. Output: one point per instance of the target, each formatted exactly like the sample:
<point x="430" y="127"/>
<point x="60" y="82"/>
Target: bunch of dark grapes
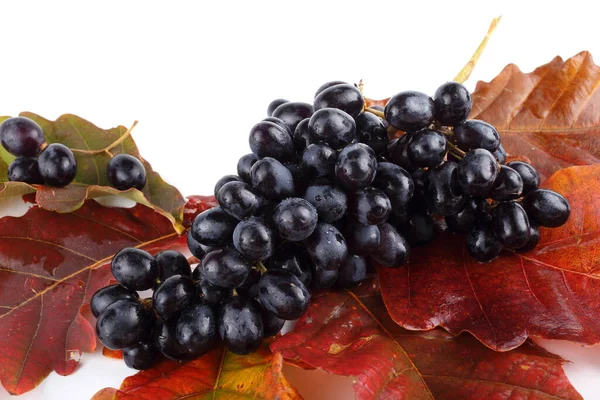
<point x="38" y="163"/>
<point x="323" y="191"/>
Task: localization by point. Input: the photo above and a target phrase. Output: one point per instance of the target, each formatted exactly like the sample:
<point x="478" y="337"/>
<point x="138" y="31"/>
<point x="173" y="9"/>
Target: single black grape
<point x="398" y="153"/>
<point x="135" y="269"/>
<point x="122" y="324"/>
<point x="326" y="247"/>
<point x="452" y="104"/>
<point x="213" y="227"/>
<point x="165" y="341"/>
<point x="254" y="240"/>
<point x="401" y="215"/>
<point x="476" y="134"/>
<point x="332" y="126"/>
<point x="427" y="148"/>
<point x="25" y="169"/>
<point x="244" y="167"/>
<point x="508" y="185"/>
<point x="279" y="123"/>
<point x="141" y="356"/>
<point x="292" y="113"/>
<point x="272" y="179"/>
<point x="352" y="272"/>
<point x="57" y="165"/>
<point x="194" y="246"/>
<point x="249" y="287"/>
<point x="300" y="176"/>
<point x="443" y="194"/>
<point x="393" y="250"/>
<point x="511" y="225"/>
<point x="268" y="139"/>
<point x="173" y="295"/>
<point x="331" y="202"/>
<point x="108" y="295"/>
<point x="534" y="239"/>
<point x="547" y="208"/>
<point x="371" y="131"/>
<point x="370" y="206"/>
<point x="409" y="111"/>
<point x="323" y="278"/>
<point x="362" y="239"/>
<point x="301" y="137"/>
<point x="500" y="154"/>
<point x="420" y="229"/>
<point x="395" y="182"/>
<point x="210" y="294"/>
<point x="293" y="259"/>
<point x="473" y="211"/>
<point x="283" y="294"/>
<point x="225" y="268"/>
<point x="238" y="200"/>
<point x="477" y="172"/>
<point x="274" y="104"/>
<point x="21" y="136"/>
<point x="319" y="160"/>
<point x="171" y="262"/>
<point x="272" y="324"/>
<point x="224" y="180"/>
<point x="419" y="177"/>
<point x="328" y="85"/>
<point x="344" y="97"/>
<point x="356" y="166"/>
<point x="295" y="219"/>
<point x="240" y="325"/>
<point x="482" y="243"/>
<point x="125" y="171"/>
<point x="529" y="176"/>
<point x="196" y="329"/>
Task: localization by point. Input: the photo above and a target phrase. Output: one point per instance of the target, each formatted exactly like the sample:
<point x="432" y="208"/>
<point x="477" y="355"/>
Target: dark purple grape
<point x="443" y="194"/>
<point x="25" y="169"/>
<point x="398" y="154"/>
<point x="108" y="295"/>
<point x="268" y="139"/>
<point x="500" y="155"/>
<point x="319" y="160"/>
<point x="452" y="104"/>
<point x="326" y="247"/>
<point x="420" y="229"/>
<point x="140" y="356"/>
<point x="135" y="269"/>
<point x="482" y="244"/>
<point x="356" y="166"/>
<point x="224" y="180"/>
<point x="57" y="165"/>
<point x="409" y="111"/>
<point x="473" y="211"/>
<point x="213" y="227"/>
<point x="344" y="97"/>
<point x="238" y="200"/>
<point x="272" y="324"/>
<point x="225" y="268"/>
<point x="395" y="182"/>
<point x="547" y="208"/>
<point x="477" y="172"/>
<point x="194" y="246"/>
<point x="370" y="206"/>
<point x="529" y="176"/>
<point x="240" y="325"/>
<point x="302" y="138"/>
<point x="362" y="239"/>
<point x="508" y="185"/>
<point x="125" y="171"/>
<point x="475" y="134"/>
<point x="332" y="126"/>
<point x="122" y="324"/>
<point x="511" y="225"/>
<point x="352" y="272"/>
<point x="371" y="131"/>
<point x="171" y="262"/>
<point x="295" y="219"/>
<point x="293" y="259"/>
<point x="393" y="250"/>
<point x="250" y="286"/>
<point x="283" y="294"/>
<point x="323" y="278"/>
<point x="534" y="239"/>
<point x="21" y="136"/>
<point x="165" y="340"/>
<point x="173" y="295"/>
<point x="244" y="167"/>
<point x="328" y="85"/>
<point x="254" y="239"/>
<point x="274" y="104"/>
<point x="331" y="202"/>
<point x="272" y="179"/>
<point x="427" y="148"/>
<point x="292" y="113"/>
<point x="210" y="294"/>
<point x="196" y="329"/>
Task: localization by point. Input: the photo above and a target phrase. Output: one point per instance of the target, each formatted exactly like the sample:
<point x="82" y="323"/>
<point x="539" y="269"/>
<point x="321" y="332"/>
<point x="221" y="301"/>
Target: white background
<point x="198" y="75"/>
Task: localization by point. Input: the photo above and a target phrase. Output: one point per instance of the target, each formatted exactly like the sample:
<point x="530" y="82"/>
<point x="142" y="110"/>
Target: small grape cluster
<point x="38" y="163"/>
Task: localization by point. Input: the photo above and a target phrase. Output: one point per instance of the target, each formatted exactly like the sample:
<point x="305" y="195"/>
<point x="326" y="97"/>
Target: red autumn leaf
<point x="217" y="374"/>
<point x="194" y="206"/>
<point x="551" y="292"/>
<point x="550" y="115"/>
<point x="50" y="265"/>
<point x="351" y="334"/>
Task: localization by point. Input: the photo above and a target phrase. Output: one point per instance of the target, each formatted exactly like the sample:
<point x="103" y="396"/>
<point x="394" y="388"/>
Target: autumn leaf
<point x="195" y="205"/>
<point x="91" y="180"/>
<point x="217" y="374"/>
<point x="50" y="265"/>
<point x="350" y="333"/>
<point x="551" y="292"/>
<point x="550" y="115"/>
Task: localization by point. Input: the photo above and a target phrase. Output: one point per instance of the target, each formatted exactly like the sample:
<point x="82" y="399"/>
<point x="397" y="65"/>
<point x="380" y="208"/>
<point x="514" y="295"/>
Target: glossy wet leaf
<point x="218" y="374"/>
<point x="351" y="334"/>
<point x="91" y="181"/>
<point x="50" y="266"/>
<point x="551" y="292"/>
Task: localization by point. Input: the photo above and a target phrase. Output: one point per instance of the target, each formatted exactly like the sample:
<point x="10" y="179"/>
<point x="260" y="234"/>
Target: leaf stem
<point x="380" y="114"/>
<point x="110" y="146"/>
<point x="465" y="72"/>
